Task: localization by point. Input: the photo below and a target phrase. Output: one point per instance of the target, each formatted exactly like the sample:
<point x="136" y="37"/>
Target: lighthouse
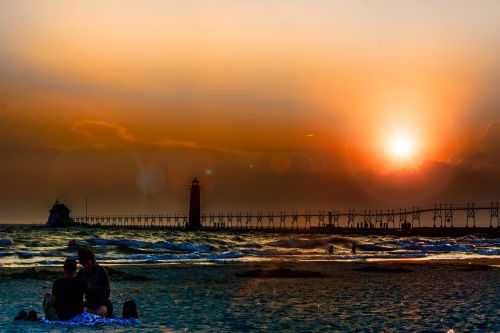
<point x="194" y="205"/>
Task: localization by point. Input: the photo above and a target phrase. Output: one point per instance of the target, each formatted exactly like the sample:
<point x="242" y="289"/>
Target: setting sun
<point x="401" y="147"/>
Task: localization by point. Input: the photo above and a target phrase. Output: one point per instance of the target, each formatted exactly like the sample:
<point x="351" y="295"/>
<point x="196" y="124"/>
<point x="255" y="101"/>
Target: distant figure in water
<point x="353" y="248"/>
<point x="330" y="249"/>
<point x="97" y="281"/>
<point x="66" y="300"/>
<point x="129" y="309"/>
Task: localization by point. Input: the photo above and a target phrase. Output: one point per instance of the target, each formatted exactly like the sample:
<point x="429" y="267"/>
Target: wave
<point x="132" y="243"/>
<point x="488" y="252"/>
<point x="374" y="247"/>
<point x="28" y="254"/>
<point x="6" y="254"/>
<point x="481" y="241"/>
<point x="152" y="258"/>
<point x="299" y="243"/>
<point x="339" y="240"/>
<point x="250" y="245"/>
<point x="7" y="241"/>
<point x="433" y="245"/>
<point x="131" y="250"/>
<point x="449" y="248"/>
<point x="264" y="253"/>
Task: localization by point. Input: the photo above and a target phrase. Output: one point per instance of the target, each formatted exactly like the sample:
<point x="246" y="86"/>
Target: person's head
<point x="69" y="267"/>
<point x="129" y="309"/>
<point x="86" y="259"/>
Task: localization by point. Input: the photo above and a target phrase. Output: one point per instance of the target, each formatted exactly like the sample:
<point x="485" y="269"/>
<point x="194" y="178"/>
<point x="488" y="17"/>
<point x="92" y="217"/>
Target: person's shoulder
<point x="59" y="285"/>
<point x="80" y="282"/>
<point x="101" y="268"/>
<point x="58" y="282"/>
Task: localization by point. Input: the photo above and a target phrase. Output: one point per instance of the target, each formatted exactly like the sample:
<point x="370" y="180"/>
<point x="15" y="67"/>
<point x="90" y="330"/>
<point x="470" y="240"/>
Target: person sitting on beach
<point x="66" y="300"/>
<point x="98" y="289"/>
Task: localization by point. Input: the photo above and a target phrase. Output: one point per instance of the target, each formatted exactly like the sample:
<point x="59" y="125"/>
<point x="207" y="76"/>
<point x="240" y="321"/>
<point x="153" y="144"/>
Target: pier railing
<point x="441" y="215"/>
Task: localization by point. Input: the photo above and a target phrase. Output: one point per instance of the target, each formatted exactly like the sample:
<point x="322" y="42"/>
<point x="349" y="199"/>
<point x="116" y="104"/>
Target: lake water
<point x="39" y="246"/>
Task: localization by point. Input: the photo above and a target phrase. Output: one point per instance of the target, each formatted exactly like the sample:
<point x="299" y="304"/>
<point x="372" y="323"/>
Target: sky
<point x="273" y="105"/>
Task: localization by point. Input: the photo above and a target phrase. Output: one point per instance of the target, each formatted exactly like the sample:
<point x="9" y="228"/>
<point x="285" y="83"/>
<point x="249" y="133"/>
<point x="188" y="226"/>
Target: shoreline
<point x="493" y="263"/>
<point x="432" y="232"/>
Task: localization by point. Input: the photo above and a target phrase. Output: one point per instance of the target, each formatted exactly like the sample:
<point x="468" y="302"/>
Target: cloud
<point x="102" y="133"/>
<point x="194" y="145"/>
<point x="490" y="140"/>
<point x="102" y="130"/>
<point x="487" y="156"/>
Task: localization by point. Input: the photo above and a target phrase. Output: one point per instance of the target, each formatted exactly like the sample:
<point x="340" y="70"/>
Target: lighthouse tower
<point x="194" y="205"/>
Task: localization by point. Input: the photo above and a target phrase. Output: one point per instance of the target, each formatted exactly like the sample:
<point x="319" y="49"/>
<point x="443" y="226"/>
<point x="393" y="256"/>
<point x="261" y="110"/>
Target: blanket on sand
<point x="88" y="319"/>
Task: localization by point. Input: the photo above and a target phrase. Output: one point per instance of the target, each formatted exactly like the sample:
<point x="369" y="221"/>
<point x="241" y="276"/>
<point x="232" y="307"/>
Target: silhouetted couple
<point x="66" y="300"/>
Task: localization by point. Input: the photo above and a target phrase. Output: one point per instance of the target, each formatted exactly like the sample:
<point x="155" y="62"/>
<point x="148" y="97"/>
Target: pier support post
<point x="259" y="219"/>
<point x="351" y="216"/>
<point x="336" y="218"/>
<point x="379" y="218"/>
<point x="438" y="214"/>
<point x="321" y="219"/>
<point x="220" y="220"/>
<point x="494" y="214"/>
<point x="367" y="219"/>
<point x="448" y="214"/>
<point x="390" y="218"/>
<point x="295" y="219"/>
<point x="308" y="219"/>
<point x="248" y="220"/>
<point x="270" y="220"/>
<point x="415" y="215"/>
<point x="282" y="220"/>
<point x="211" y="219"/>
<point x="239" y="218"/>
<point x="403" y="217"/>
<point x="471" y="215"/>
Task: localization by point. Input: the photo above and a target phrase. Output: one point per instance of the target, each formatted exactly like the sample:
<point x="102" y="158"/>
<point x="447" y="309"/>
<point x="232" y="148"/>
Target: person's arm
<point x="101" y="285"/>
<point x="53" y="295"/>
<point x="83" y="275"/>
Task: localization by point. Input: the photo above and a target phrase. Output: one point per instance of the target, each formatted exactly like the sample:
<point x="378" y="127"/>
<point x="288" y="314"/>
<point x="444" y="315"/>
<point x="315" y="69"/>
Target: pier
<point x="443" y="219"/>
<point x="407" y="221"/>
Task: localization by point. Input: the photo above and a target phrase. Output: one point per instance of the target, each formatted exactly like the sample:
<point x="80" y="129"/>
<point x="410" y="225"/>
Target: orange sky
<point x="272" y="104"/>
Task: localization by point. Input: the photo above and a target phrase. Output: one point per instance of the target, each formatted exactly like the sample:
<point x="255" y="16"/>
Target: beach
<point x="285" y="296"/>
<point x="255" y="282"/>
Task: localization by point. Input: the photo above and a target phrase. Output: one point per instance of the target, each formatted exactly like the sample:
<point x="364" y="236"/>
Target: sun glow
<point x="402" y="147"/>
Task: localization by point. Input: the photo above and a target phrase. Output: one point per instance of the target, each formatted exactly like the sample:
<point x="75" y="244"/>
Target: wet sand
<point x="346" y="296"/>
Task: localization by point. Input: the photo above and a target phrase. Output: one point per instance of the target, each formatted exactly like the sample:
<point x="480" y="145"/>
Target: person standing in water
<point x="97" y="281"/>
<point x="353" y="248"/>
<point x="66" y="300"/>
